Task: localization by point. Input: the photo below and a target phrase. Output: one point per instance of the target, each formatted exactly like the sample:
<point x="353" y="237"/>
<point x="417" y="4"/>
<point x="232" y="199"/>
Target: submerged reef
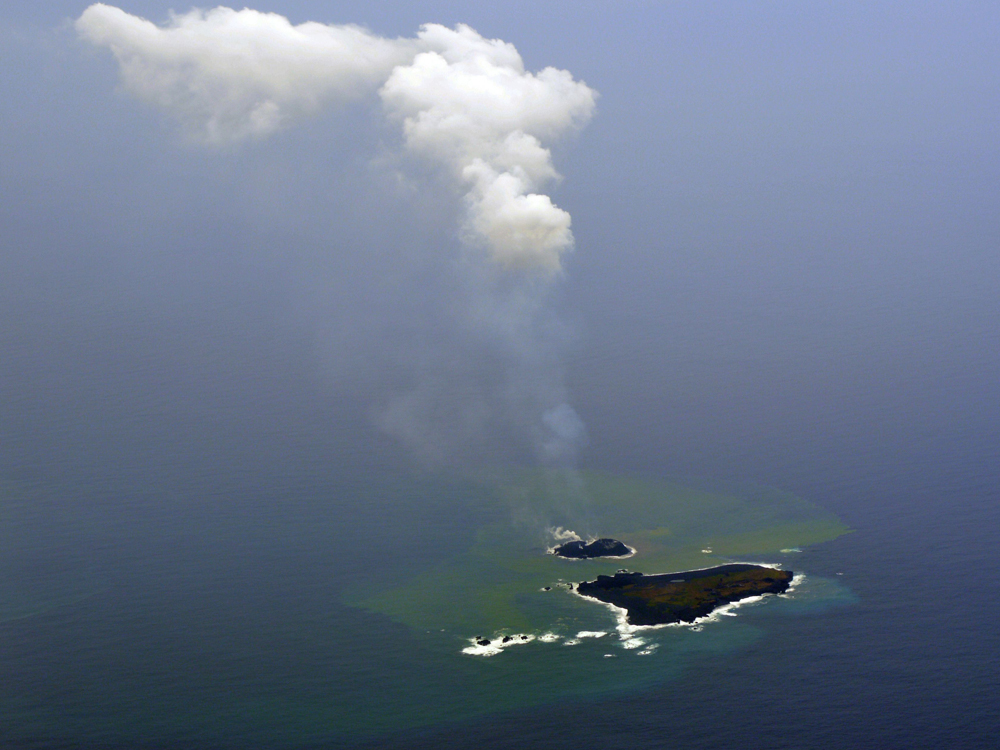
<point x="578" y="550"/>
<point x="683" y="597"/>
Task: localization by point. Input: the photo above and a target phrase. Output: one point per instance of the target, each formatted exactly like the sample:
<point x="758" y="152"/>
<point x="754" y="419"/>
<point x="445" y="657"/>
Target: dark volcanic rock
<point x="598" y="548"/>
<point x="684" y="597"/>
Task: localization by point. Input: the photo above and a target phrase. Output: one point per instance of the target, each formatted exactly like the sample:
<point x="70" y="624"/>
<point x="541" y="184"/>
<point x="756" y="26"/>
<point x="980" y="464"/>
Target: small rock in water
<point x="579" y="550"/>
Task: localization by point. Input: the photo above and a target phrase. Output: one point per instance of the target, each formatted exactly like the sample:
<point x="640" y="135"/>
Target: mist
<point x="472" y="118"/>
<point x="251" y="315"/>
<point x="723" y="235"/>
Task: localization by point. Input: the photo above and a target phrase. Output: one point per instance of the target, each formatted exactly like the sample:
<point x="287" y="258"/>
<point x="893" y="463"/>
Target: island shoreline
<point x="626" y="627"/>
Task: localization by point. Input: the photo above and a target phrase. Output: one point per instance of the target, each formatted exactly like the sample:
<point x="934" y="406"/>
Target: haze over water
<point x="784" y="273"/>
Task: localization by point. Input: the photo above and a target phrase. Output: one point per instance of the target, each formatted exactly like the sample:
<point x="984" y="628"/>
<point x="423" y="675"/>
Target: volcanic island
<point x="683" y="597"/>
<point x="580" y="550"/>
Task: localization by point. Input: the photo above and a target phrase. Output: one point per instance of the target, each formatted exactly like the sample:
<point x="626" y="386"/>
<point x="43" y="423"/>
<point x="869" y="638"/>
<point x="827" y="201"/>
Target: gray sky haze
<point x="780" y="213"/>
<point x="296" y="298"/>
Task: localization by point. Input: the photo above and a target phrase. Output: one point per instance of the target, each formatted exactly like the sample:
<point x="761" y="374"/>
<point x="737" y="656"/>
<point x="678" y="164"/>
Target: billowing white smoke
<point x="464" y="102"/>
<point x="229" y="75"/>
<point x="467" y="102"/>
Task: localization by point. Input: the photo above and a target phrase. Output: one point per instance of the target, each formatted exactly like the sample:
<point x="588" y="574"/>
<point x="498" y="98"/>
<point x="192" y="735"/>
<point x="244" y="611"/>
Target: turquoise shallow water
<point x="786" y="273"/>
<point x="246" y="629"/>
<point x="167" y="585"/>
<point x="215" y="613"/>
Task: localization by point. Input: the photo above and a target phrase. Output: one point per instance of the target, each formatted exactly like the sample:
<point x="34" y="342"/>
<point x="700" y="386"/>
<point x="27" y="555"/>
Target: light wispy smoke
<point x="559" y="534"/>
<point x="464" y="104"/>
<point x="567" y="433"/>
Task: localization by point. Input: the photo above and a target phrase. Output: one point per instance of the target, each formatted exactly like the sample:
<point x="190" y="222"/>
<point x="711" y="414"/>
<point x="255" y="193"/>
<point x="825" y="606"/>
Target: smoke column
<point x="464" y="105"/>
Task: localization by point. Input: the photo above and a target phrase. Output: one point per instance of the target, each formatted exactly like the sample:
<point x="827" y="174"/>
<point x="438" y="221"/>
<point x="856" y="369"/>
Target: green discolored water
<point x="497" y="585"/>
<point x="278" y="620"/>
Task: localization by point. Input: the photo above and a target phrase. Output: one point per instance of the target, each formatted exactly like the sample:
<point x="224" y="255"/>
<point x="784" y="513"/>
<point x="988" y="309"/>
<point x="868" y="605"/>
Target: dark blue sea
<point x="784" y="280"/>
<point x="184" y="506"/>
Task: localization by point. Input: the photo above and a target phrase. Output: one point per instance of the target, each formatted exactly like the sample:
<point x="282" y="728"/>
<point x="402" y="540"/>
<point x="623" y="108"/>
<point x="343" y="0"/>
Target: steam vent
<point x="579" y="550"/>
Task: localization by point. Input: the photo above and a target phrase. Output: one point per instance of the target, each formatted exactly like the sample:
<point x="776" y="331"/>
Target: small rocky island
<point x="579" y="550"/>
<point x="684" y="597"/>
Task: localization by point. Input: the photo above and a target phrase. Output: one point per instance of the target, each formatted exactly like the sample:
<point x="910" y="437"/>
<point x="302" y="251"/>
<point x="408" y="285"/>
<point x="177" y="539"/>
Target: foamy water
<point x="628" y="634"/>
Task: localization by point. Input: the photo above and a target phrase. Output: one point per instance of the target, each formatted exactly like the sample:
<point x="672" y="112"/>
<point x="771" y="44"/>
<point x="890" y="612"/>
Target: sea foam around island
<point x="627" y="631"/>
<point x="629" y="635"/>
<point x="562" y="536"/>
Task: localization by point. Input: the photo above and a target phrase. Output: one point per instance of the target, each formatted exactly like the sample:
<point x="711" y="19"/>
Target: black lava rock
<point x="687" y="595"/>
<point x="598" y="548"/>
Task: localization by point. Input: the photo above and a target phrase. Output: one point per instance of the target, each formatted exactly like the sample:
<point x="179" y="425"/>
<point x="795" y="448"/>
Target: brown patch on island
<point x="684" y="597"/>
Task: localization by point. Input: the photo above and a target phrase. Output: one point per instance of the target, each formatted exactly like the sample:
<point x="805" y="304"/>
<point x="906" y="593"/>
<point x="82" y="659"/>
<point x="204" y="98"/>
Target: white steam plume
<point x="230" y="75"/>
<point x="464" y="102"/>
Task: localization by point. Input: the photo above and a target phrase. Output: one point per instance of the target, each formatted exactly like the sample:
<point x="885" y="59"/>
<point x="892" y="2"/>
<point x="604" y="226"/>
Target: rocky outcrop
<point x="580" y="550"/>
<point x="684" y="597"/>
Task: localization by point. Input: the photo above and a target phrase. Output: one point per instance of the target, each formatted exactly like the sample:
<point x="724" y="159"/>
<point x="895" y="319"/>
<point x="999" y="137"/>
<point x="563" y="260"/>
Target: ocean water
<point x="785" y="287"/>
<point x="197" y="570"/>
